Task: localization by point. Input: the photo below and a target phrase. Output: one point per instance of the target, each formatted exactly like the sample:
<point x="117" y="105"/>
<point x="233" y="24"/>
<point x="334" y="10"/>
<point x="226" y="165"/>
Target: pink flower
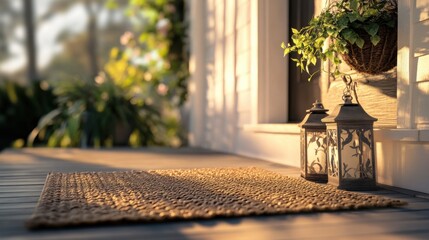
<point x="162" y="89"/>
<point x="170" y="8"/>
<point x="163" y="25"/>
<point x="126" y="38"/>
<point x="100" y="78"/>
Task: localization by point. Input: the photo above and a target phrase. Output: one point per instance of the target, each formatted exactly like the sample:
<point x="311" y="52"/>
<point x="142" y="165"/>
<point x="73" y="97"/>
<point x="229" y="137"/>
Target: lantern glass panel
<point x="332" y="152"/>
<point x="303" y="159"/>
<point x="316" y="152"/>
<point x="356" y="153"/>
<point x="367" y="154"/>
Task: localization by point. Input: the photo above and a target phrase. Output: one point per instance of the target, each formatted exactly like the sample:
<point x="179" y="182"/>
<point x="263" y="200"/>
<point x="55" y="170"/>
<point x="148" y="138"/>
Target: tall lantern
<point x="350" y="136"/>
<point x="313" y="144"/>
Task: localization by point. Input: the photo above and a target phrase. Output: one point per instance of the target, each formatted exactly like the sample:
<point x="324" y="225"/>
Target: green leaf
<point x="354" y="5"/>
<point x="314" y="60"/>
<point x="349" y="35"/>
<point x="73" y="132"/>
<point x="296" y="41"/>
<point x="48" y="118"/>
<point x="360" y="42"/>
<point x="283" y="45"/>
<point x="330" y="55"/>
<point x="11" y="92"/>
<point x="295" y="31"/>
<point x="337" y="61"/>
<point x="361" y="18"/>
<point x="161" y="2"/>
<point x="391" y="23"/>
<point x="371" y="28"/>
<point x="286" y="51"/>
<point x="353" y="17"/>
<point x="375" y="40"/>
<point x="111" y="4"/>
<point x="370" y="12"/>
<point x="330" y="31"/>
<point x="343" y="22"/>
<point x="319" y="42"/>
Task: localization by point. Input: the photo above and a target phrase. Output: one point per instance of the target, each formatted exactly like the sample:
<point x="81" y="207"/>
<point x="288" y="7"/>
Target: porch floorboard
<point x="22" y="174"/>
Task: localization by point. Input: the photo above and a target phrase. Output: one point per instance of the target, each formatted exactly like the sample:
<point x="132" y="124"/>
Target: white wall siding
<point x="242" y="67"/>
<point x="402" y="154"/>
<point x="245" y="81"/>
<point x="227" y="72"/>
<point x="421" y="63"/>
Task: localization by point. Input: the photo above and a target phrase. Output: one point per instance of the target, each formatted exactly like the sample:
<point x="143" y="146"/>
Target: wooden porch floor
<point x="22" y="174"/>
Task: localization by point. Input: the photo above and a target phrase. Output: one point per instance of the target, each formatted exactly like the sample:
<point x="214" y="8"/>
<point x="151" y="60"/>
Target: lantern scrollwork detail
<point x="350" y="134"/>
<point x="314" y="145"/>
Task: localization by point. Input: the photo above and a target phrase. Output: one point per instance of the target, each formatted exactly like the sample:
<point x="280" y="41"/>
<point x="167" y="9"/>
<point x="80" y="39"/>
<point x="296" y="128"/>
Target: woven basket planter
<point x="374" y="59"/>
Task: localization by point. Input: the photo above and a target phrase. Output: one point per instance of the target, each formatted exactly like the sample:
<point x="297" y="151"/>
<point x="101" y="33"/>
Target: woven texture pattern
<point x="374" y="59"/>
<point x="71" y="199"/>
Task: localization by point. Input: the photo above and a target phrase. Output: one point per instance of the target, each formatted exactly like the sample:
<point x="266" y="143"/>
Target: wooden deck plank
<point x="12" y="189"/>
<point x="19" y="181"/>
<point x="20" y="184"/>
<point x="17" y="206"/>
<point x="22" y="174"/>
<point x="250" y="227"/>
<point x="11" y="200"/>
<point x="35" y="193"/>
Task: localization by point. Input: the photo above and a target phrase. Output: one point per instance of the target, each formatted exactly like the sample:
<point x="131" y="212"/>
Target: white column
<point x="196" y="84"/>
<point x="405" y="62"/>
<point x="269" y="27"/>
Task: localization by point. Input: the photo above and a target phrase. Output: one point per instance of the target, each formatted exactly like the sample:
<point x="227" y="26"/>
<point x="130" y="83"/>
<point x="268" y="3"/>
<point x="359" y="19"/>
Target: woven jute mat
<point x="72" y="199"/>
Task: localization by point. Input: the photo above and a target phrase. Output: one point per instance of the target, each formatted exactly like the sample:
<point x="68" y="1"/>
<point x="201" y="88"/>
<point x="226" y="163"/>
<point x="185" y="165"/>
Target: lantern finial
<point x="318" y="105"/>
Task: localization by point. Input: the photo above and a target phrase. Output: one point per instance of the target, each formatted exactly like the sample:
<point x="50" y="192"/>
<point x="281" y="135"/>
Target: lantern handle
<point x="351" y="86"/>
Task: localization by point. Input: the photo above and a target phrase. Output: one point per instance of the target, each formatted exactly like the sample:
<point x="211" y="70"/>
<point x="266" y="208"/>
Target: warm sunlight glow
<point x="15" y="157"/>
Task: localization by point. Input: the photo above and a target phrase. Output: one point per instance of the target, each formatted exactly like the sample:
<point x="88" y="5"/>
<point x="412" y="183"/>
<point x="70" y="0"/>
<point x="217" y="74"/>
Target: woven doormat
<point x="72" y="199"/>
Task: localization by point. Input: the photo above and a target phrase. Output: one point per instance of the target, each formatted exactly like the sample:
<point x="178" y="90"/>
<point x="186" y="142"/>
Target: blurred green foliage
<point x="136" y="98"/>
<point x="154" y="55"/>
<point x="20" y="109"/>
<point x="96" y="114"/>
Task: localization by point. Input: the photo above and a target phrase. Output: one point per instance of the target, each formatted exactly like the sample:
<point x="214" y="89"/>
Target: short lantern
<point x="350" y="140"/>
<point x="313" y="144"/>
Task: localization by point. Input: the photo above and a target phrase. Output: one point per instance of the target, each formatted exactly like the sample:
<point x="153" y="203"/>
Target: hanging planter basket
<point x="347" y="29"/>
<point x="374" y="59"/>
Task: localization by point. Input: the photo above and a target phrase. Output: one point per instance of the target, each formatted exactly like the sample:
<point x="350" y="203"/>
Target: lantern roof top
<point x="317" y="108"/>
<point x="314" y="116"/>
<point x="349" y="112"/>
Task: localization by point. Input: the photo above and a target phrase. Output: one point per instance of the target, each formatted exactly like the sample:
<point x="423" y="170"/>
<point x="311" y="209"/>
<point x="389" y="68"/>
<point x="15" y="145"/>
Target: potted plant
<point x="362" y="33"/>
<point x="88" y="113"/>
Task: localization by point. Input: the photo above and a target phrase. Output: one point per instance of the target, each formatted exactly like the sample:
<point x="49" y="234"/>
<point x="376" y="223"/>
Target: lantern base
<point x="354" y="184"/>
<point x="319" y="178"/>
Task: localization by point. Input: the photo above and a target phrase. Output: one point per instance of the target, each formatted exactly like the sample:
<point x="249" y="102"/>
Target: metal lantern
<point x="313" y="144"/>
<point x="351" y="158"/>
